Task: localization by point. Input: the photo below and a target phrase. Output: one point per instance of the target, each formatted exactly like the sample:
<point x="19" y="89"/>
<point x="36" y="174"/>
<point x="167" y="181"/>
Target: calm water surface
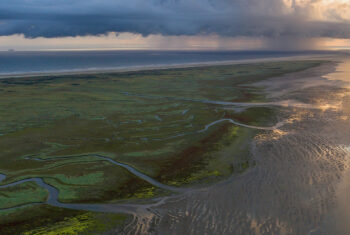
<point x="60" y="61"/>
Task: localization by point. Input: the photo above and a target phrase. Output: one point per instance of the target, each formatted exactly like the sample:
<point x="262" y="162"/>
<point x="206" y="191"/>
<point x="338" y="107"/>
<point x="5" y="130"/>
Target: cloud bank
<point x="232" y="18"/>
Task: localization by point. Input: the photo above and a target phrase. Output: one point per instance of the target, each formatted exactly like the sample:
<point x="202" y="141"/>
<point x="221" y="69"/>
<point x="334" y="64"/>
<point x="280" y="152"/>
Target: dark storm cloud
<point x="58" y="18"/>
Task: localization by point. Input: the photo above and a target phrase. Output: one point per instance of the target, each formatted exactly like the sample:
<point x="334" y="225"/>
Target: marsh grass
<point x="147" y="119"/>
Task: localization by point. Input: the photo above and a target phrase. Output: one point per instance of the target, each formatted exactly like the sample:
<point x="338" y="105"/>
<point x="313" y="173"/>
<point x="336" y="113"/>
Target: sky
<point x="174" y="24"/>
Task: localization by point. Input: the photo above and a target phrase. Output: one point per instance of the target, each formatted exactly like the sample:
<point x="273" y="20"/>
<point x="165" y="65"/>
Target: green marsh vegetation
<point x="149" y="120"/>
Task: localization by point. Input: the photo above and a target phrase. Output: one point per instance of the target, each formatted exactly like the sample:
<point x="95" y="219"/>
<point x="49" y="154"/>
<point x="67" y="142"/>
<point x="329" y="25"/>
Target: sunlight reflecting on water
<point x="342" y="72"/>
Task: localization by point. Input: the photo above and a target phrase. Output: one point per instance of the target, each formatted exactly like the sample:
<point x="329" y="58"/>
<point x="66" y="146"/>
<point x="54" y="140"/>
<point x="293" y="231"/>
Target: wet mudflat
<point x="300" y="183"/>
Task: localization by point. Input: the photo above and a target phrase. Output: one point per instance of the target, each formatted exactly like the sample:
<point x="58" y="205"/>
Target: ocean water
<point x="12" y="63"/>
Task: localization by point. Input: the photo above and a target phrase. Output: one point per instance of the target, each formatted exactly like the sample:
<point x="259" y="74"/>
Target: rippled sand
<point x="300" y="184"/>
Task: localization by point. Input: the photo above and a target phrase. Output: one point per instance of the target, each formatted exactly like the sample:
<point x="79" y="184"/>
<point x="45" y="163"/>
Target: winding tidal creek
<point x="300" y="183"/>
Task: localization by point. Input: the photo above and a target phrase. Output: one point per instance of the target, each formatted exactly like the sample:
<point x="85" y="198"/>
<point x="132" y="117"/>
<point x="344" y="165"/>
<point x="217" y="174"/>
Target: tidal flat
<point x="162" y="127"/>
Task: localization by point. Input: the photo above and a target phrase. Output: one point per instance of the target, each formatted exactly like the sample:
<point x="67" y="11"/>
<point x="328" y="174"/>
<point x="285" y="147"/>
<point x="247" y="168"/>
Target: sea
<point x="30" y="62"/>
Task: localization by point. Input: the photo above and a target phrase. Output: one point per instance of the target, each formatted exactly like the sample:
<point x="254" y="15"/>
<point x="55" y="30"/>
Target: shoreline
<point x="170" y="66"/>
